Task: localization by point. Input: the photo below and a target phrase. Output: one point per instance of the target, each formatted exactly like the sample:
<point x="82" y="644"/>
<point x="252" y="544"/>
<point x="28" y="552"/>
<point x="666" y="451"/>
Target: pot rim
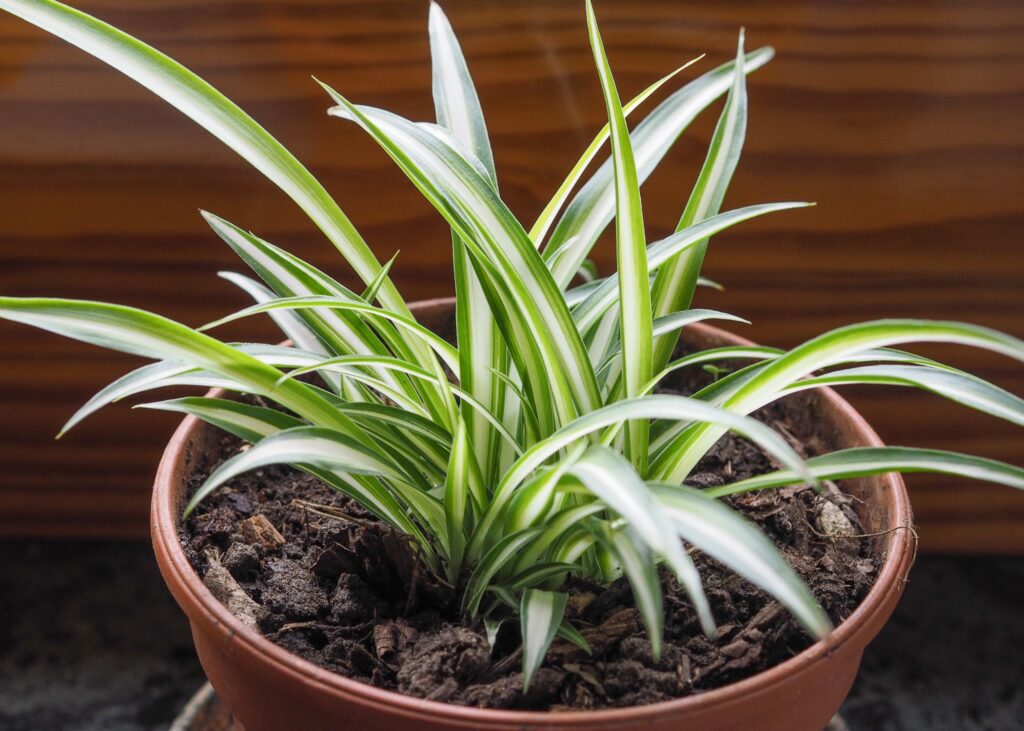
<point x="899" y="552"/>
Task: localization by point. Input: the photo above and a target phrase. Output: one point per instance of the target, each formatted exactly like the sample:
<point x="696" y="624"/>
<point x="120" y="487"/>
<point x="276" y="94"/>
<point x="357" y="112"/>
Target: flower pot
<point x="269" y="689"/>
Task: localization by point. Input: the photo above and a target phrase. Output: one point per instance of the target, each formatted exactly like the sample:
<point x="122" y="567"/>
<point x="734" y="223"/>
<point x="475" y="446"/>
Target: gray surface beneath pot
<point x="90" y="640"/>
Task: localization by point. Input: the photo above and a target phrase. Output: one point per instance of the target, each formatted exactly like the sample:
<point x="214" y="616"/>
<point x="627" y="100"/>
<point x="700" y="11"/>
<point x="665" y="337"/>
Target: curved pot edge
<point x="867" y="619"/>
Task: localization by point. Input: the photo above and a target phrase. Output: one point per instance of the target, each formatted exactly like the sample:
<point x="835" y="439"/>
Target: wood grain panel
<point x="903" y="120"/>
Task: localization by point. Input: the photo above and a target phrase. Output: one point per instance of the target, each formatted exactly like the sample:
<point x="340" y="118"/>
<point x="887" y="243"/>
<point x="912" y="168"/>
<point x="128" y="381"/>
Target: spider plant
<point x="537" y="446"/>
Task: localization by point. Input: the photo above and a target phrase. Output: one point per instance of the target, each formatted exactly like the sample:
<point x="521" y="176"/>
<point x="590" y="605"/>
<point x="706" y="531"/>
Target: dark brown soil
<point x="345" y="593"/>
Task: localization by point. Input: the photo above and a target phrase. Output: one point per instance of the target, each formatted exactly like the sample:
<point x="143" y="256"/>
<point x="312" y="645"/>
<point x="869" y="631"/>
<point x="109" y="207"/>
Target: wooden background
<point x="903" y="120"/>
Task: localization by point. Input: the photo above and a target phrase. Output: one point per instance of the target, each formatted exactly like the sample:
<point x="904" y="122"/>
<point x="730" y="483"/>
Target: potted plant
<point x="502" y="506"/>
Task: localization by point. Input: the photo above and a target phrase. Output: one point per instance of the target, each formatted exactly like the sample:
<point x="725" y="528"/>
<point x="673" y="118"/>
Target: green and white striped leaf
<point x="535" y="499"/>
<point x="141" y="379"/>
<point x="464" y="493"/>
<point x="641" y="571"/>
<point x="455" y="99"/>
<point x="345" y="466"/>
<point x="592" y="208"/>
<point x="604" y="294"/>
<point x="350" y="366"/>
<point x="249" y="423"/>
<point x="291" y="325"/>
<point x="253" y="423"/>
<point x="660" y="406"/>
<point x="675" y="283"/>
<point x="169" y="373"/>
<point x="715" y="355"/>
<point x="409" y="423"/>
<point x="570" y="634"/>
<point x="443" y="349"/>
<point x="865" y="461"/>
<point x="524" y="299"/>
<point x="340" y="331"/>
<point x="720" y="532"/>
<point x="679" y="457"/>
<point x="609" y="368"/>
<point x="553" y="572"/>
<point x="554" y="529"/>
<point x="635" y="320"/>
<point x="540" y="227"/>
<point x="491" y="627"/>
<point x="725" y="386"/>
<point x="609" y="477"/>
<point x="577" y="294"/>
<point x="954" y="385"/>
<point x="307" y="445"/>
<point x="540" y="615"/>
<point x="501" y="553"/>
<point x="133" y="331"/>
<point x="373" y="288"/>
<point x="481" y="349"/>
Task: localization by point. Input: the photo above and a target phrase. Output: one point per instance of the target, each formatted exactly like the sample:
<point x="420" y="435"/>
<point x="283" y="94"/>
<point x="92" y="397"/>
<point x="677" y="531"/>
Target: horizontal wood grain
<point x="904" y="121"/>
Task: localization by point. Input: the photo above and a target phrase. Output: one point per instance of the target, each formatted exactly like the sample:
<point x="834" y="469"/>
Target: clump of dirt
<point x="333" y="585"/>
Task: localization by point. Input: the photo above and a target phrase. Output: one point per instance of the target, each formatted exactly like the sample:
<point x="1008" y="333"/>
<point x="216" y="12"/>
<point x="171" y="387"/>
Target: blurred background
<point x="903" y="121"/>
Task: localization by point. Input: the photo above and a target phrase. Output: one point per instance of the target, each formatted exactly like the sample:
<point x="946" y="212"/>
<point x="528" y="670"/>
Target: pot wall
<point x="270" y="689"/>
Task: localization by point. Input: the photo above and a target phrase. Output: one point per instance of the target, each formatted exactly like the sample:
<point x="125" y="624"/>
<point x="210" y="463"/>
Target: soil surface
<point x="317" y="575"/>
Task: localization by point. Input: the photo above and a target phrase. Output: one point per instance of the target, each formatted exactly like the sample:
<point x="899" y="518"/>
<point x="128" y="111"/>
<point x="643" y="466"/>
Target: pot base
<point x="205" y="712"/>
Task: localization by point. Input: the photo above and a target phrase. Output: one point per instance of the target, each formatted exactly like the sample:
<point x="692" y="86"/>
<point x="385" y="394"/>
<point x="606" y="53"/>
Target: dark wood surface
<point x="904" y="121"/>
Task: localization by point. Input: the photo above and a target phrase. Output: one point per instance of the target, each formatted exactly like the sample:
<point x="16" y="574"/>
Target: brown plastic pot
<point x="269" y="689"/>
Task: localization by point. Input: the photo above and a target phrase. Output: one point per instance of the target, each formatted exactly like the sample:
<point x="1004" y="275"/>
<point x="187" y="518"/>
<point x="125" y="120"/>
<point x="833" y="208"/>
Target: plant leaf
<point x="341" y="463"/>
<point x="348" y="364"/>
<point x="593" y="206"/>
<point x="493" y="561"/>
<point x="955" y="385"/>
<point x="340" y="331"/>
<point x="675" y="283"/>
<point x="537" y="574"/>
<point x="570" y="634"/>
<point x="641" y="571"/>
<point x="547" y="216"/>
<point x="535" y="498"/>
<point x="291" y="325"/>
<point x="133" y="331"/>
<point x="604" y="294"/>
<point x="306" y="445"/>
<point x="720" y="532"/>
<point x="492" y="626"/>
<point x="609" y="477"/>
<point x="250" y="423"/>
<point x="631" y="253"/>
<point x="528" y="306"/>
<point x="443" y="349"/>
<point x="373" y="288"/>
<point x="455" y="99"/>
<point x="665" y="324"/>
<point x="660" y="406"/>
<point x="865" y="461"/>
<point x="540" y="614"/>
<point x="463" y="484"/>
<point x="718" y="391"/>
<point x="481" y="350"/>
<point x="679" y="457"/>
<point x="554" y="529"/>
